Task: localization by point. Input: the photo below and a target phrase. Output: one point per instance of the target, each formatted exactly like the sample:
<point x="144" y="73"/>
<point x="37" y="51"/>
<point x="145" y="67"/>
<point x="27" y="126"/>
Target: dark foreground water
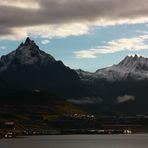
<point x="78" y="141"/>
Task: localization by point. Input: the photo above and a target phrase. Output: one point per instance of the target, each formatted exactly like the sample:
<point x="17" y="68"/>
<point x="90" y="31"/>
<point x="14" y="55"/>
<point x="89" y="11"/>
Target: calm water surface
<point x="78" y="141"/>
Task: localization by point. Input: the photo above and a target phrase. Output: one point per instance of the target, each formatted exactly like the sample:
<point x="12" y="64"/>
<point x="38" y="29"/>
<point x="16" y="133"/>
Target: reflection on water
<point x="78" y="141"/>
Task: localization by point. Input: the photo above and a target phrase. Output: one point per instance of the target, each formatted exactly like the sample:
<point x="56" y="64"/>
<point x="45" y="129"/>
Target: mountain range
<point x="119" y="88"/>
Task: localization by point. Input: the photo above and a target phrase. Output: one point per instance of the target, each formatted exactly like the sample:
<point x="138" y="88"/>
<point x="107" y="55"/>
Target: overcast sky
<point x="86" y="34"/>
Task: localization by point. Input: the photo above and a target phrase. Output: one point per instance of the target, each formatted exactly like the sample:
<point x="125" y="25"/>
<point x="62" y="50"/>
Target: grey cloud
<point x="70" y="11"/>
<point x="5" y="30"/>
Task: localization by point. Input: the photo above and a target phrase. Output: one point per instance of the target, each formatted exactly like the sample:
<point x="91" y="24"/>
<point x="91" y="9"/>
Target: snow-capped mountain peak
<point x="28" y="53"/>
<point x="134" y="63"/>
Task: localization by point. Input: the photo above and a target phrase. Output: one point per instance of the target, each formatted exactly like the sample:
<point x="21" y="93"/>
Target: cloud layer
<point x="16" y="16"/>
<point x="131" y="44"/>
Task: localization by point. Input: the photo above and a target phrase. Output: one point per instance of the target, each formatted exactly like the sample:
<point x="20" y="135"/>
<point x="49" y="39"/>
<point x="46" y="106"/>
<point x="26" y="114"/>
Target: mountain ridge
<point x="130" y="68"/>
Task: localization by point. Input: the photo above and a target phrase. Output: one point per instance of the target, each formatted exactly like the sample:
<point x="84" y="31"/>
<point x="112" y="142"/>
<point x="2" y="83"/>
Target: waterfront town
<point x="76" y="124"/>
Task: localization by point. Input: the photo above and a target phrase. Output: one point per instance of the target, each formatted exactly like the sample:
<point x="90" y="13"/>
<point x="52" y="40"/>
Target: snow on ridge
<point x="131" y="67"/>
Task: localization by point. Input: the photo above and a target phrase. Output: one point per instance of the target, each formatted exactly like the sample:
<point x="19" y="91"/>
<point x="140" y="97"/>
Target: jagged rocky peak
<point x="28" y="44"/>
<point x="28" y="53"/>
<point x="28" y="41"/>
<point x="133" y="60"/>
